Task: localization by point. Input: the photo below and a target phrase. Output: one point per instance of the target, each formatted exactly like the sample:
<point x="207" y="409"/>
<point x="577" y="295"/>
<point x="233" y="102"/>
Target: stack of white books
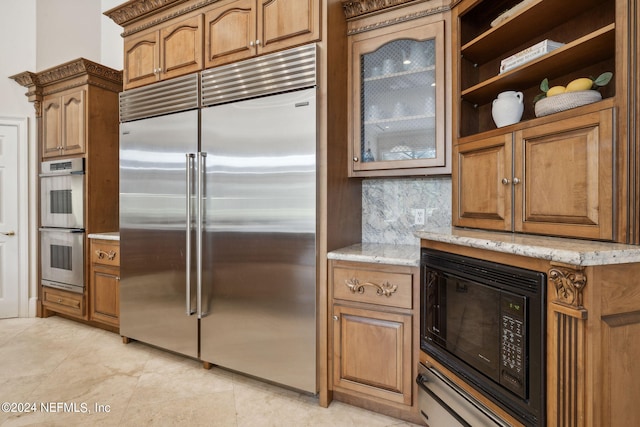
<point x="529" y="54"/>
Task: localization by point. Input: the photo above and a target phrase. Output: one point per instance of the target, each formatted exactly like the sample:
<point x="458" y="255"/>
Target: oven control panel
<point x="513" y="344"/>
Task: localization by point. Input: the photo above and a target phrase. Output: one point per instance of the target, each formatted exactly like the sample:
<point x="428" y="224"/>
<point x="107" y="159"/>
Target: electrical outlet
<point x="418" y="216"/>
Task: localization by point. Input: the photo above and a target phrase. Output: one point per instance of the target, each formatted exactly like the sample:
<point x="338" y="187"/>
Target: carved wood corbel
<point x="569" y="285"/>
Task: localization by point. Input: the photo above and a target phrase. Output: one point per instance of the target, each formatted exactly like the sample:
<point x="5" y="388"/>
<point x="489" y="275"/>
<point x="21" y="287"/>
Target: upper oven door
<point x="61" y="201"/>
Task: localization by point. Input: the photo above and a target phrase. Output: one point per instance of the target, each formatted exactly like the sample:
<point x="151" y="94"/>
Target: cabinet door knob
<point x="251" y="43"/>
<point x="505" y="181"/>
<point x="258" y="42"/>
<point x="336" y="318"/>
<point x="516" y="181"/>
<point x="355" y="159"/>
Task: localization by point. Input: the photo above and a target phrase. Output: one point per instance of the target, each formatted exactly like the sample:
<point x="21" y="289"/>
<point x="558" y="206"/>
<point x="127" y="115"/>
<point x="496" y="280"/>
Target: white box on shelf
<point x="529" y="54"/>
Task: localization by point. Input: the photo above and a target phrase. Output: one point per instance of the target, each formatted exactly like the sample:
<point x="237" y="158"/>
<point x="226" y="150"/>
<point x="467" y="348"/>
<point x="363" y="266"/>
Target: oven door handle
<point x="62" y="230"/>
<point x="472" y="400"/>
<point x="421" y="380"/>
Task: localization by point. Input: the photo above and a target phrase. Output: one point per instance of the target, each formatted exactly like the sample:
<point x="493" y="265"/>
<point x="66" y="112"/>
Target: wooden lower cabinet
<point x="374" y="336"/>
<point x="104" y="283"/>
<point x="61" y="301"/>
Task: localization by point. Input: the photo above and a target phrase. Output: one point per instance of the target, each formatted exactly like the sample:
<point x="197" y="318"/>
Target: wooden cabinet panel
<point x="141" y="59"/>
<point x="286" y="23"/>
<point x="51" y="122"/>
<point x="172" y="50"/>
<point x="481" y="183"/>
<point x="74" y="122"/>
<point x="230" y="32"/>
<point x="181" y="48"/>
<point x="555" y="178"/>
<point x="104" y="284"/>
<point x="372" y="353"/>
<point x="64" y="123"/>
<point x="61" y="301"/>
<point x="566" y="169"/>
<point x="373" y="287"/>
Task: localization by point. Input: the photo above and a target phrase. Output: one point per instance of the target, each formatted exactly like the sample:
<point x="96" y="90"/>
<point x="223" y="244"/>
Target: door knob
<point x="9" y="233"/>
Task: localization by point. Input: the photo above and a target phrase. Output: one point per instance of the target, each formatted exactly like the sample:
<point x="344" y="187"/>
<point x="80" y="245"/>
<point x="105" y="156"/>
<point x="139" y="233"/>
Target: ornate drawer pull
<point x="111" y="255"/>
<point x="386" y="289"/>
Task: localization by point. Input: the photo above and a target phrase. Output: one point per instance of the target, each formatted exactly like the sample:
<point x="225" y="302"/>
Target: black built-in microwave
<point x="486" y="322"/>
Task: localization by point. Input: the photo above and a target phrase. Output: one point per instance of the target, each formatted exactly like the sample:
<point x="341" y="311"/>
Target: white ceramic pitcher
<point x="507" y="108"/>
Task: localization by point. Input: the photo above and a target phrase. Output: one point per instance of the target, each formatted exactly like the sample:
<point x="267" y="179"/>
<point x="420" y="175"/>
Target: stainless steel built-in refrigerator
<point x="218" y="216"/>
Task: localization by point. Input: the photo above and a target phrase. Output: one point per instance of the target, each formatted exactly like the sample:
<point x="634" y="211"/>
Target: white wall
<point x="39" y="34"/>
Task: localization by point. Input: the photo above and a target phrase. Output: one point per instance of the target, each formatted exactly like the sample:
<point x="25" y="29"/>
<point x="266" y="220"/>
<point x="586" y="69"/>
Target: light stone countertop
<point x="379" y="253"/>
<point x="113" y="235"/>
<point x="569" y="251"/>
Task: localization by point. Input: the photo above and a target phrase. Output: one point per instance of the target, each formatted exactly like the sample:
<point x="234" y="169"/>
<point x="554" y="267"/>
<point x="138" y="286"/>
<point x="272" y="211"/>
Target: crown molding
<point x="137" y="9"/>
<point x="354" y="8"/>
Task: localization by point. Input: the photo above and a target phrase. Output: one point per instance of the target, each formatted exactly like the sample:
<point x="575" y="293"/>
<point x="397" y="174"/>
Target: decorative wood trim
<point x="137" y="9"/>
<point x="569" y="285"/>
<point x="398" y="20"/>
<point x="353" y="8"/>
<point x="386" y="289"/>
<point x="152" y="10"/>
<point x="567" y="396"/>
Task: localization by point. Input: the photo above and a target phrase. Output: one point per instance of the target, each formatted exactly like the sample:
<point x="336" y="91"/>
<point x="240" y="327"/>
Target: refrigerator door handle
<point x="189" y="192"/>
<point x="199" y="229"/>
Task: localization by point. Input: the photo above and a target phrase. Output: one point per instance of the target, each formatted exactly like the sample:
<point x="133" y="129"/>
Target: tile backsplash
<point x="392" y="209"/>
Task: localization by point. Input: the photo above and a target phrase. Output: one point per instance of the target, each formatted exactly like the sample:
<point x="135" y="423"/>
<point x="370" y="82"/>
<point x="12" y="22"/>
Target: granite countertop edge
<point x="379" y="253"/>
<point x="113" y="235"/>
<point x="569" y="251"/>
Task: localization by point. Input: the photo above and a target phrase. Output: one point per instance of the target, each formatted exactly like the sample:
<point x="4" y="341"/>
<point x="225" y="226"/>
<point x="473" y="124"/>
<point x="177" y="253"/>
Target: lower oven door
<point x="443" y="404"/>
<point x="62" y="258"/>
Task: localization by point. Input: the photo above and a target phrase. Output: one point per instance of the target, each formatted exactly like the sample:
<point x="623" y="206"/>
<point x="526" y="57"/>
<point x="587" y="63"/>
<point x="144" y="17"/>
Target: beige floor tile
<point x="58" y="361"/>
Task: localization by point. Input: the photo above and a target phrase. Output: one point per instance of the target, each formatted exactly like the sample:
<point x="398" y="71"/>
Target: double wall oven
<point x="62" y="232"/>
<point x="485" y="322"/>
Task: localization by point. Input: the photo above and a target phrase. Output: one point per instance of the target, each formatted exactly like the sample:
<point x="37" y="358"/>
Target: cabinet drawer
<point x="105" y="252"/>
<point x="372" y="286"/>
<point x="64" y="302"/>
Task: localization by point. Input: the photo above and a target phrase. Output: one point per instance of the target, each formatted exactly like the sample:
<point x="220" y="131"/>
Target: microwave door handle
<point x="422" y="381"/>
<point x="189" y="220"/>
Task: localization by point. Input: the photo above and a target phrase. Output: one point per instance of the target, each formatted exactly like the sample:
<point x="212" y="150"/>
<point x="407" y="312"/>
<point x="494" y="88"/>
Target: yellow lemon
<point x="556" y="90"/>
<point x="579" y="84"/>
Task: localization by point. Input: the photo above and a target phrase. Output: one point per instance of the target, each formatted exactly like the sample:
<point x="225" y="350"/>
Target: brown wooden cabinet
<point x="104" y="282"/>
<point x="240" y="29"/>
<point x="169" y="50"/>
<point x="397" y="87"/>
<point x="548" y="178"/>
<point x="64" y="117"/>
<point x="61" y="301"/>
<point x="375" y="336"/>
<point x="570" y="171"/>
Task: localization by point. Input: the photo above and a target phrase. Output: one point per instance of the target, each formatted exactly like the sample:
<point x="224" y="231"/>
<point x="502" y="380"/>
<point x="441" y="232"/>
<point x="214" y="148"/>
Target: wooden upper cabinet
<point x="566" y="173"/>
<point x="230" y="32"/>
<point x="558" y="174"/>
<point x="172" y="50"/>
<point x="482" y="195"/>
<point x="64" y="123"/>
<point x="285" y="23"/>
<point x="240" y="29"/>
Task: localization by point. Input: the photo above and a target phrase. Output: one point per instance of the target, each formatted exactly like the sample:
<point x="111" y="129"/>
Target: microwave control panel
<point x="513" y="344"/>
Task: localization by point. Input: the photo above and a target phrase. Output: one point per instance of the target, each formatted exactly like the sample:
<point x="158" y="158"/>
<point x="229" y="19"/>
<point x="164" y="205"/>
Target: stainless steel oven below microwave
<point x="62" y="193"/>
<point x="62" y="258"/>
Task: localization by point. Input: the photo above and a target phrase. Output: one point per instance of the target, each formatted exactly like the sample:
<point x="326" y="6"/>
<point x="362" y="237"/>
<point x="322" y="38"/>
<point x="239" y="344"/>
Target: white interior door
<point x="10" y="285"/>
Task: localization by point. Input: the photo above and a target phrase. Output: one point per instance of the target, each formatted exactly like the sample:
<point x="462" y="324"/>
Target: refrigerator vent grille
<point x="171" y="96"/>
<point x="265" y="75"/>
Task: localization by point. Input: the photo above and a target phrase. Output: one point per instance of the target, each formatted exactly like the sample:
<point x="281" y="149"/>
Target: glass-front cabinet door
<point x="397" y="102"/>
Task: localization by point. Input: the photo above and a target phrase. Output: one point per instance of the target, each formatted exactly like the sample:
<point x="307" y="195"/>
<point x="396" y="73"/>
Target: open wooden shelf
<point x="592" y="48"/>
